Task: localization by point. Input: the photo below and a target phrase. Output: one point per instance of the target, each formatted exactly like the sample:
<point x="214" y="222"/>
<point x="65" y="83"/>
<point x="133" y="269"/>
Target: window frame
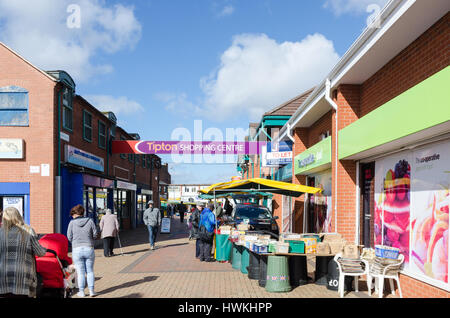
<point x="84" y="125"/>
<point x="122" y="155"/>
<point x="68" y="107"/>
<point x="100" y="135"/>
<point x="23" y="109"/>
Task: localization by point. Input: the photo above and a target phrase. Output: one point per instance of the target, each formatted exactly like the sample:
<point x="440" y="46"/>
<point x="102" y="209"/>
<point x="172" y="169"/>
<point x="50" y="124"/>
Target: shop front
<point x="315" y="164"/>
<point x="404" y="178"/>
<point x="125" y="204"/>
<point x="143" y="197"/>
<point x="86" y="188"/>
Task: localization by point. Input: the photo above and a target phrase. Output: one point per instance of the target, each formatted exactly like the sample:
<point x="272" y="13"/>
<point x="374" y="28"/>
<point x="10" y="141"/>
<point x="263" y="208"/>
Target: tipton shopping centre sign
<point x="187" y="147"/>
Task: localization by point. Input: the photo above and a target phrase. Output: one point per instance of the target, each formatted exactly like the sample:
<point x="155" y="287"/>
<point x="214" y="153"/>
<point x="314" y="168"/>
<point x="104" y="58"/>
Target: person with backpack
<point x="152" y="219"/>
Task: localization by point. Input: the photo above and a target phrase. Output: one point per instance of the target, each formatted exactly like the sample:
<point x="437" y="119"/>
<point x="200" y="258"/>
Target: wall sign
<point x="84" y="159"/>
<point x="125" y="185"/>
<point x="11" y="149"/>
<point x="14" y="202"/>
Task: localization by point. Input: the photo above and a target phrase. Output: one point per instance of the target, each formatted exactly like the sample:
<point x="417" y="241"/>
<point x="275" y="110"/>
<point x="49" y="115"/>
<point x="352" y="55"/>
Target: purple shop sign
<point x="200" y="147"/>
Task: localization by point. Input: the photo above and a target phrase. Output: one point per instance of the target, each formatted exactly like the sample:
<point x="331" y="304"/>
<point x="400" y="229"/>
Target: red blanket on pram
<point x="48" y="266"/>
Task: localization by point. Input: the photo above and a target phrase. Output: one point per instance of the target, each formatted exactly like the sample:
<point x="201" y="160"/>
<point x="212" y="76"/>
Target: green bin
<point x="245" y="260"/>
<point x="296" y="246"/>
<point x="278" y="274"/>
<point x="223" y="247"/>
<point x="236" y="257"/>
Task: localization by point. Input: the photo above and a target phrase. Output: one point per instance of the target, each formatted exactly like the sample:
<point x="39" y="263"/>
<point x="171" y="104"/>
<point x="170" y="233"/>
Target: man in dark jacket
<point x="195" y="220"/>
<point x="181" y="210"/>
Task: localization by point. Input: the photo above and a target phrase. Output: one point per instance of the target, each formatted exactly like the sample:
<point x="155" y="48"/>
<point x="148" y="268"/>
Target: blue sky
<point x="161" y="64"/>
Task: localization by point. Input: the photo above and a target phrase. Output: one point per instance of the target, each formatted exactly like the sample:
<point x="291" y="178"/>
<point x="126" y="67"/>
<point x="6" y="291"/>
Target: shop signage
<point x="11" y="148"/>
<point x="125" y="185"/>
<point x="147" y="192"/>
<point x="84" y="159"/>
<point x="315" y="158"/>
<point x="276" y="154"/>
<point x="307" y="161"/>
<point x="64" y="136"/>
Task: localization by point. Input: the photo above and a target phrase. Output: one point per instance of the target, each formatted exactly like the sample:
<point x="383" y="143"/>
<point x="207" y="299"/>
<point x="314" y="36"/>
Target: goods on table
<point x="323" y="248"/>
<point x="296" y="246"/>
<point x="336" y="246"/>
<point x="282" y="248"/>
<point x="331" y="237"/>
<point x="386" y="251"/>
<point x="368" y="254"/>
<point x="289" y="236"/>
<point x="243" y="227"/>
<point x="272" y="246"/>
<point x="311" y="235"/>
<point x="310" y="245"/>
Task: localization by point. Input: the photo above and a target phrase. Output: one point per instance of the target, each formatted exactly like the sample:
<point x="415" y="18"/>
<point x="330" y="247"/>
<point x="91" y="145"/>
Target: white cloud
<point x="340" y="7"/>
<point x="227" y="10"/>
<point x="257" y="73"/>
<point x="117" y="105"/>
<point x="38" y="31"/>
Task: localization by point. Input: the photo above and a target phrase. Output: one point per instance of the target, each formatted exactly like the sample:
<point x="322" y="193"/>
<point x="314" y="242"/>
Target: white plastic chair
<point x="342" y="275"/>
<point x="379" y="278"/>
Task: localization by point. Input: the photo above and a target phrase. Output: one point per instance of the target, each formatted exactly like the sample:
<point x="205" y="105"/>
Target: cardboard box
<point x="323" y="248"/>
<point x="282" y="248"/>
<point x="331" y="237"/>
<point x="351" y="251"/>
<point x="336" y="246"/>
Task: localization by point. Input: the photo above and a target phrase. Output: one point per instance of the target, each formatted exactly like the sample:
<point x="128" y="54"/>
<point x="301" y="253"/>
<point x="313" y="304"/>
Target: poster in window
<point x="412" y="209"/>
<point x="322" y="203"/>
<point x="15" y="202"/>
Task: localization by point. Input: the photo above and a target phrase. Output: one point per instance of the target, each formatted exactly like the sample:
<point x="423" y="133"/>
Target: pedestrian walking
<point x="206" y="233"/>
<point x="152" y="219"/>
<point x="181" y="210"/>
<point x="18" y="247"/>
<point x="82" y="233"/>
<point x="109" y="227"/>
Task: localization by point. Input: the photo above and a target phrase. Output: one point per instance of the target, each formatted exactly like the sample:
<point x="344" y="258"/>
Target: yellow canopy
<point x="262" y="185"/>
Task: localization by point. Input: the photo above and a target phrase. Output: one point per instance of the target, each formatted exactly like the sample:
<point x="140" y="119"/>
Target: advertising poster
<point x="15" y="202"/>
<point x="322" y="203"/>
<point x="412" y="209"/>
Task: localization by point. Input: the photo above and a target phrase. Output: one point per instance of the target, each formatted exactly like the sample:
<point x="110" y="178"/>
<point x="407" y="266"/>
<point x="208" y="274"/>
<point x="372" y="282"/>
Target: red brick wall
<point x="427" y="55"/>
<point x="38" y="137"/>
<point x="319" y="127"/>
<point x="424" y="57"/>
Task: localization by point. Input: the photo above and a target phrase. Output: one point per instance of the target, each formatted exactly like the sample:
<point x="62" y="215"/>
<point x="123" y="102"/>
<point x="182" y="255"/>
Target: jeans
<point x="83" y="258"/>
<point x="152" y="232"/>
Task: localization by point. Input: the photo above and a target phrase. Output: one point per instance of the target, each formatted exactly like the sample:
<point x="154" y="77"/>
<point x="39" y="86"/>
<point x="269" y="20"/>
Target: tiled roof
<point x="288" y="108"/>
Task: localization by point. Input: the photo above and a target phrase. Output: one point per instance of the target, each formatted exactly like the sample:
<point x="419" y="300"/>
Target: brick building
<point x="375" y="135"/>
<point x="55" y="152"/>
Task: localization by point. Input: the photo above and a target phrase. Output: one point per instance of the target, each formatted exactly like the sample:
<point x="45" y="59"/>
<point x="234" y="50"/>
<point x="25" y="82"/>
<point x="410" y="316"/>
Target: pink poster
<point x="412" y="209"/>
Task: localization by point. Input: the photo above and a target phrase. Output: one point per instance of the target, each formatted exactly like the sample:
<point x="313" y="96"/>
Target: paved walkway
<point x="172" y="271"/>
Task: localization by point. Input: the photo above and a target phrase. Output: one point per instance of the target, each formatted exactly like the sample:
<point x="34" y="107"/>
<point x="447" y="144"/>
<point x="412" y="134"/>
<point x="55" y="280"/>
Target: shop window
<point x="67" y="111"/>
<point x="13" y="106"/>
<point x="87" y="126"/>
<point x="130" y="157"/>
<point x="144" y="160"/>
<point x="101" y="134"/>
<point x="137" y="158"/>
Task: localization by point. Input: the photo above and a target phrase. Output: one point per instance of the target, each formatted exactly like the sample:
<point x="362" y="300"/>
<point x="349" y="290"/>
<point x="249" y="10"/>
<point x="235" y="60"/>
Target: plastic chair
<point x="342" y="275"/>
<point x="379" y="278"/>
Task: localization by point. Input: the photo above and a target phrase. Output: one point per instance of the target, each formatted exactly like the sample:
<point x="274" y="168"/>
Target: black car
<point x="258" y="216"/>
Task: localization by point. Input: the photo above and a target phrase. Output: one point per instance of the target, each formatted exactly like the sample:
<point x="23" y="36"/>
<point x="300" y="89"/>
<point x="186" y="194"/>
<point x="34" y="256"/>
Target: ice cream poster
<point x="412" y="209"/>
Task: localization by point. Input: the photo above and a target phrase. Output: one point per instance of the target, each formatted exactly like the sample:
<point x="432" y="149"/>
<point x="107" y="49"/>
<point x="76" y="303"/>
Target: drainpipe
<point x="336" y="159"/>
<point x="288" y="132"/>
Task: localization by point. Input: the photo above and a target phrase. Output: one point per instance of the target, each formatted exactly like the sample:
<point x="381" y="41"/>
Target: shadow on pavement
<point x="130" y="284"/>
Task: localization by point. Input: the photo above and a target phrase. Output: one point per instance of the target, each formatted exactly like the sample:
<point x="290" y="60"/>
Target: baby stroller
<point x="55" y="271"/>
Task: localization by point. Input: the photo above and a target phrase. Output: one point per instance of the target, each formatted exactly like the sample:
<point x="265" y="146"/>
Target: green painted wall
<point x="322" y="156"/>
<point x="423" y="106"/>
